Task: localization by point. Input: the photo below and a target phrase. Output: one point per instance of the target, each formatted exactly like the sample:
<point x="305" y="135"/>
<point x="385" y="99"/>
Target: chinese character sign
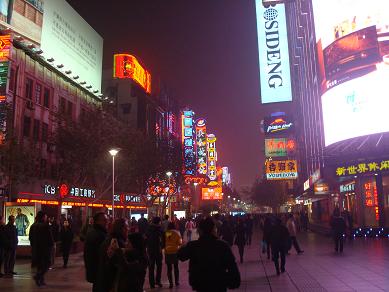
<point x="362" y="168"/>
<point x="212" y="157"/>
<point x="188" y="141"/>
<point x="279" y="147"/>
<point x="282" y="169"/>
<point x="201" y="143"/>
<point x="5" y="46"/>
<point x="127" y="66"/>
<point x="212" y="194"/>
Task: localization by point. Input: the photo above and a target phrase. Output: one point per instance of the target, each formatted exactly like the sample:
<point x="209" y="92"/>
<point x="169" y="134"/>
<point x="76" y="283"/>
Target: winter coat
<point x="291" y="225"/>
<point x="338" y="226"/>
<point x="227" y="233"/>
<point x="66" y="236"/>
<point x="42" y="242"/>
<point x="267" y="229"/>
<point x="154" y="242"/>
<point x="279" y="238"/>
<point x="173" y="241"/>
<point x="143" y="224"/>
<point x="240" y="238"/>
<point x="10" y="237"/>
<point x="212" y="265"/>
<point x="93" y="242"/>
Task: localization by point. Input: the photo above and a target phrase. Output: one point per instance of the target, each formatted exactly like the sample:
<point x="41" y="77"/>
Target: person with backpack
<point x="173" y="241"/>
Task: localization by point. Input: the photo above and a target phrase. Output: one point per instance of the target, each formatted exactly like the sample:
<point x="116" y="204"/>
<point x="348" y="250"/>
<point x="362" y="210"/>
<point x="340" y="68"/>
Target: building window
<point x="46" y="97"/>
<point x="126" y="108"/>
<point x="26" y="126"/>
<point x="69" y="111"/>
<point x="35" y="133"/>
<point x="45" y="129"/>
<point x="43" y="168"/>
<point x="62" y="105"/>
<point x="38" y="93"/>
<point x="29" y="84"/>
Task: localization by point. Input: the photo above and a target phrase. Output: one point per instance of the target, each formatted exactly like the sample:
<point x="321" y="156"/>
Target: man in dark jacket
<point x="154" y="236"/>
<point x="212" y="266"/>
<point x="93" y="242"/>
<point x="279" y="239"/>
<point x="42" y="243"/>
<point x="143" y="224"/>
<point x="338" y="226"/>
<point x="11" y="242"/>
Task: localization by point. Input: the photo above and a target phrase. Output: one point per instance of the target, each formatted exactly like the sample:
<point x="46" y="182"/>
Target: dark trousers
<point x="249" y="237"/>
<point x="278" y="253"/>
<point x="155" y="260"/>
<point x="295" y="243"/>
<point x="9" y="260"/>
<point x="268" y="249"/>
<point x="338" y="240"/>
<point x="65" y="255"/>
<point x="241" y="252"/>
<point x="170" y="265"/>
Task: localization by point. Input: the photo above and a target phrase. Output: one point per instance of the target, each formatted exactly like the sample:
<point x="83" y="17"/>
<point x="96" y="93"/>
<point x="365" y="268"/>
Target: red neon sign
<point x="5" y="46"/>
<point x="127" y="66"/>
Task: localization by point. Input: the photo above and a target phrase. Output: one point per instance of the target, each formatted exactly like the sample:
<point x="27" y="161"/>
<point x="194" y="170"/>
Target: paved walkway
<point x="364" y="266"/>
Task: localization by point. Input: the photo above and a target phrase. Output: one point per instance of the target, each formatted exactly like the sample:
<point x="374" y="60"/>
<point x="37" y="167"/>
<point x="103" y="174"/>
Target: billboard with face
<point x="24" y="218"/>
<point x="353" y="56"/>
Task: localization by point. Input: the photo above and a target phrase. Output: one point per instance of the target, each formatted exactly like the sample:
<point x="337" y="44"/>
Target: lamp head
<point x="113" y="152"/>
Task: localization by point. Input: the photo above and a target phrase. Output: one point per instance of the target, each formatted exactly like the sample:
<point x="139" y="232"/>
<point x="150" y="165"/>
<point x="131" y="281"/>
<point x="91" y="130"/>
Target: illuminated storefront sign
<point x="201" y="141"/>
<point x="321" y="188"/>
<point x="226" y="176"/>
<point x="362" y="168"/>
<point x="282" y="169"/>
<point x="274" y="70"/>
<point x="127" y="198"/>
<point x="212" y="194"/>
<point x="65" y="190"/>
<point x="188" y="141"/>
<point x="127" y="66"/>
<point x="195" y="180"/>
<point x="371" y="197"/>
<point x="353" y="61"/>
<point x="279" y="124"/>
<point x="279" y="147"/>
<point x="212" y="157"/>
<point x="5" y="46"/>
<point x="347" y="188"/>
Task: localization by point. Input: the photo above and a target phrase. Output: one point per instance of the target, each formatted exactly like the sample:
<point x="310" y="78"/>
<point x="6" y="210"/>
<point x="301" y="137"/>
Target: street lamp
<point x="113" y="153"/>
<point x="169" y="174"/>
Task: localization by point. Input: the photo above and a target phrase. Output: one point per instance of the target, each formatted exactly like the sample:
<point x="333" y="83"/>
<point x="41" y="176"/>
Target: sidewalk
<point x="364" y="266"/>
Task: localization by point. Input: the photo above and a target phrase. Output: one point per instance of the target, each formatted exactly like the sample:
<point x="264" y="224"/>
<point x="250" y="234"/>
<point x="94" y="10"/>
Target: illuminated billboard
<point x="5" y="47"/>
<point x="353" y="56"/>
<point x="72" y="42"/>
<point x="277" y="125"/>
<point x="188" y="142"/>
<point x="211" y="194"/>
<point x="281" y="169"/>
<point x="274" y="68"/>
<point x="127" y="66"/>
<point x="279" y="147"/>
<point x="201" y="142"/>
<point x="212" y="157"/>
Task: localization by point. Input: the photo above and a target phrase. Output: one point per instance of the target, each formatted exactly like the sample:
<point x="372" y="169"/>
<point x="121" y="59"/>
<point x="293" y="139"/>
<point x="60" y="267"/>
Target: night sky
<point x="206" y="52"/>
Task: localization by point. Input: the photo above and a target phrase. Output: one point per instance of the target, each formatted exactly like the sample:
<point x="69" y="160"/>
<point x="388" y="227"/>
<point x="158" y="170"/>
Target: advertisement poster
<point x="24" y="218"/>
<point x="353" y="56"/>
<point x="281" y="169"/>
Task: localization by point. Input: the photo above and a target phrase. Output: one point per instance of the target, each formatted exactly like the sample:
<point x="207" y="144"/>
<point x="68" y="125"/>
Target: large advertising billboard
<point x="274" y="67"/>
<point x="353" y="56"/>
<point x="281" y="169"/>
<point x="71" y="41"/>
<point x="279" y="147"/>
<point x="201" y="142"/>
<point x="24" y="218"/>
<point x="277" y="125"/>
<point x="188" y="142"/>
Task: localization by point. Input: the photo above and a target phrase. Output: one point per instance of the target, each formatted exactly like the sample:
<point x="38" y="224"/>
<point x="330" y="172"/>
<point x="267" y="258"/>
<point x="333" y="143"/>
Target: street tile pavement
<point x="364" y="266"/>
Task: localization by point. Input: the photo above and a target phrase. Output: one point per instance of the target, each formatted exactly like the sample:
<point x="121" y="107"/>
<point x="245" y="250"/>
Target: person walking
<point x="85" y="228"/>
<point x="249" y="229"/>
<point x="66" y="236"/>
<point x="54" y="229"/>
<point x="292" y="229"/>
<point x="93" y="241"/>
<point x="11" y="243"/>
<point x="154" y="250"/>
<point x="189" y="226"/>
<point x="42" y="243"/>
<point x="279" y="238"/>
<point x="165" y="222"/>
<point x="173" y="241"/>
<point x="212" y="266"/>
<point x="240" y="238"/>
<point x="267" y="229"/>
<point x="143" y="224"/>
<point x="338" y="226"/>
<point x="2" y="244"/>
<point x="227" y="232"/>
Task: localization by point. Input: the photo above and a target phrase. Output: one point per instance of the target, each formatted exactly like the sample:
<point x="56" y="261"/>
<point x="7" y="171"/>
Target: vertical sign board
<point x="212" y="157"/>
<point x="274" y="67"/>
<point x="5" y="48"/>
<point x="188" y="143"/>
<point x="201" y="141"/>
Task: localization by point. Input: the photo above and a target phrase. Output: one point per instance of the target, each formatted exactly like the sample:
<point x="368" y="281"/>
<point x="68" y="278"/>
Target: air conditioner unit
<point x="30" y="104"/>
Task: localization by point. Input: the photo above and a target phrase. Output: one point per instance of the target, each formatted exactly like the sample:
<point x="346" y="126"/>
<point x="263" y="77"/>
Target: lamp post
<point x="169" y="174"/>
<point x="195" y="197"/>
<point x="113" y="153"/>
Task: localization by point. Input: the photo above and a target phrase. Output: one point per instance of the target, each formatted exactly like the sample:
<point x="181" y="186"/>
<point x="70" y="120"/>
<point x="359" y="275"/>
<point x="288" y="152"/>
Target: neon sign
<point x="188" y="142"/>
<point x="362" y="168"/>
<point x="64" y="191"/>
<point x="5" y="47"/>
<point x="279" y="147"/>
<point x="371" y="198"/>
<point x="275" y="125"/>
<point x="281" y="169"/>
<point x="212" y="157"/>
<point x="201" y="142"/>
<point x="127" y="66"/>
<point x="212" y="193"/>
